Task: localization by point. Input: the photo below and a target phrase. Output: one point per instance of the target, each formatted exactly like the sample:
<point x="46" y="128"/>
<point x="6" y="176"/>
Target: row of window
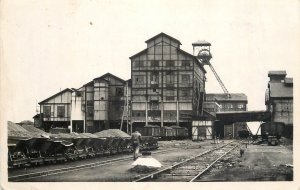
<point x="183" y="92"/>
<point x="60" y="111"/>
<point x="231" y="106"/>
<point x="156" y="63"/>
<point x="154" y="78"/>
<point x="156" y="113"/>
<point x="119" y="91"/>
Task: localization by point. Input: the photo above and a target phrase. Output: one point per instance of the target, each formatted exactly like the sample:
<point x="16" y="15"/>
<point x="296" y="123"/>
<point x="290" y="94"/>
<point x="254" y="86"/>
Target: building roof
<point x="280" y="73"/>
<point x="280" y="90"/>
<point x="201" y="42"/>
<point x="223" y="97"/>
<point x="61" y="92"/>
<point x="139" y="53"/>
<point x="109" y="75"/>
<point x="163" y="34"/>
<point x="184" y="52"/>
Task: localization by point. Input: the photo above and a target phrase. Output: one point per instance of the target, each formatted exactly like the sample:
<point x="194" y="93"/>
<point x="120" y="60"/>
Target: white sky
<point x="54" y="44"/>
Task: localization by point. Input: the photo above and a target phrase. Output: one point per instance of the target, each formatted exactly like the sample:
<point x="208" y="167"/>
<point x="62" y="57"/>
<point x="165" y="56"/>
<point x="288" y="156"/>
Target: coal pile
<point x="14" y="130"/>
<point x="33" y="130"/>
<point x="112" y="133"/>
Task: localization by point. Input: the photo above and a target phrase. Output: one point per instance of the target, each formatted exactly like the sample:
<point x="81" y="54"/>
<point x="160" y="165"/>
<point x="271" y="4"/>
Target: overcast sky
<point x="58" y="44"/>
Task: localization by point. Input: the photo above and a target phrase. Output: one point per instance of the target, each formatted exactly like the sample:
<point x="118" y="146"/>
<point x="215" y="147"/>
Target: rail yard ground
<point x="259" y="163"/>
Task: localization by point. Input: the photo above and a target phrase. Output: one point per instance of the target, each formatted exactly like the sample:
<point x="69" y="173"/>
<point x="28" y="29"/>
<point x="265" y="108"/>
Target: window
<point x="90" y="102"/>
<point x="119" y="91"/>
<point x="47" y="111"/>
<point x="186" y="93"/>
<point x="154" y="77"/>
<point x="185" y="78"/>
<point x="154" y="105"/>
<point x="138" y="63"/>
<point x="186" y="63"/>
<point x="240" y="106"/>
<point x="170" y="63"/>
<point x="60" y="111"/>
<point x="139" y="79"/>
<point x="170" y="77"/>
<point x="170" y="94"/>
<point x="138" y="114"/>
<point x="90" y="111"/>
<point x="154" y="63"/>
<point x="79" y="94"/>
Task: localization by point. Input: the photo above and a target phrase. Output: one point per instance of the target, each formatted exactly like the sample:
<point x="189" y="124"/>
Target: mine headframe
<point x="201" y="50"/>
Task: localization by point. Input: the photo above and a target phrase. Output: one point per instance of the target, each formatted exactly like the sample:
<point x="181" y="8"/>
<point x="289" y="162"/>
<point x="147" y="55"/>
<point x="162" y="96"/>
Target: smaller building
<point x="56" y="110"/>
<point x="99" y="104"/>
<point x="236" y="102"/>
<point x="279" y="100"/>
<point x="203" y="126"/>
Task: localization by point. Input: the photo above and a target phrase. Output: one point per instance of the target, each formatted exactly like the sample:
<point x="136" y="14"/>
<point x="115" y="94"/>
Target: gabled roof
<point x="280" y="90"/>
<point x="163" y="34"/>
<point x="61" y="92"/>
<point x="223" y="97"/>
<point x="141" y="52"/>
<point x="109" y="75"/>
<point x="280" y="73"/>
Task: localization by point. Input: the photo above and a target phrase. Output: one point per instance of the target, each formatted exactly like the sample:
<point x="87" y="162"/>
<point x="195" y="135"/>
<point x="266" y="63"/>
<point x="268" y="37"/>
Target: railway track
<point x="191" y="169"/>
<point x="24" y="177"/>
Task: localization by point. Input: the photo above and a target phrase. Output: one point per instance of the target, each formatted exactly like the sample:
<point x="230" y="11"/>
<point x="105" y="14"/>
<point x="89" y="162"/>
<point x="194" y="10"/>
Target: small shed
<point x="202" y="130"/>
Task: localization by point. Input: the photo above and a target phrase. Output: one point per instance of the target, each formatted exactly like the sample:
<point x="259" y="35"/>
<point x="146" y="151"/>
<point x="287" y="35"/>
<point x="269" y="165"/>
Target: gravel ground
<point x="122" y="171"/>
<point x="259" y="163"/>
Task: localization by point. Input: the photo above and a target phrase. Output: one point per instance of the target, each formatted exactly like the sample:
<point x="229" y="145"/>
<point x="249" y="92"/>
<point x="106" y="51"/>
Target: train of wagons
<point x="173" y="132"/>
<point x="33" y="151"/>
<point x="28" y="151"/>
<point x="272" y="132"/>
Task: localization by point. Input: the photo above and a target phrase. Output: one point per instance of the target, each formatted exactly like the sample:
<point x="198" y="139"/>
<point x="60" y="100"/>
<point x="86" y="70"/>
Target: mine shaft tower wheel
<point x="201" y="50"/>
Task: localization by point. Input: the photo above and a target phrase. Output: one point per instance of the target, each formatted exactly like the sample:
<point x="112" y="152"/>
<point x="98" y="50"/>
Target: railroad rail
<point x="27" y="176"/>
<point x="190" y="169"/>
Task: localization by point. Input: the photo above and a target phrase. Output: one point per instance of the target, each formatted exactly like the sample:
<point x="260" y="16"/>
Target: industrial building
<point x="236" y="102"/>
<point x="167" y="87"/>
<point x="168" y="84"/>
<point x="279" y="100"/>
<point x="56" y="110"/>
<point x="97" y="105"/>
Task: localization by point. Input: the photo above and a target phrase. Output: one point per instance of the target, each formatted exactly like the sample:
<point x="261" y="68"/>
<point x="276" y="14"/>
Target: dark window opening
<point x="170" y="63"/>
<point x="185" y="78"/>
<point x="119" y="91"/>
<point x="154" y="63"/>
<point x="186" y="63"/>
<point x="47" y="111"/>
<point x="139" y="63"/>
<point x="90" y="102"/>
<point x="60" y="111"/>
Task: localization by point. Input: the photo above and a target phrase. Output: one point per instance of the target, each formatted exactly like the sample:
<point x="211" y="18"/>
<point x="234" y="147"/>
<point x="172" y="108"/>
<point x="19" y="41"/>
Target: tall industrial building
<point x="279" y="100"/>
<point x="168" y="84"/>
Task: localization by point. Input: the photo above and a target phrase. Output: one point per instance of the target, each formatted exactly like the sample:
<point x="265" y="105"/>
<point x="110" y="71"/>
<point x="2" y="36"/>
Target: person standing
<point x="136" y="141"/>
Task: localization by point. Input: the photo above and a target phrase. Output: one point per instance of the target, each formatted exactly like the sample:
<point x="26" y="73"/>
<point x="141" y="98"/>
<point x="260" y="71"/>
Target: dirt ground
<point x="259" y="163"/>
